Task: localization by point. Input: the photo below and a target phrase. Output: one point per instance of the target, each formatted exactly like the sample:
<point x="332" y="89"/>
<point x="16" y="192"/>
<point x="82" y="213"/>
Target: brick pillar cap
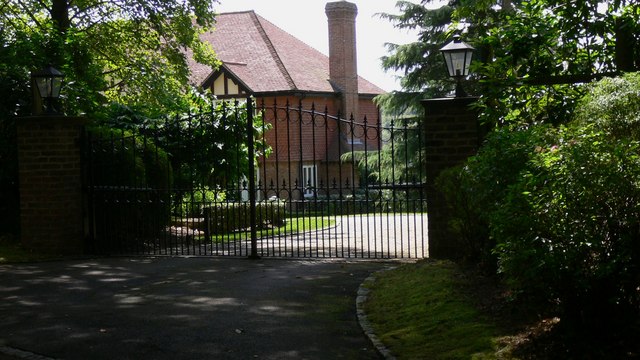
<point x="448" y="103"/>
<point x="467" y="99"/>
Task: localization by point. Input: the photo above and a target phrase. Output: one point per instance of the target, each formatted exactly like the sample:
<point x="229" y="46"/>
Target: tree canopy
<point x="550" y="201"/>
<point x="529" y="53"/>
<point x="132" y="52"/>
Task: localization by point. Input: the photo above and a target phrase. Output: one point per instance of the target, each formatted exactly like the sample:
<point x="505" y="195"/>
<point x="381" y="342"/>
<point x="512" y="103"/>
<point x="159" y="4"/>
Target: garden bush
<point x="194" y="202"/>
<point x="560" y="208"/>
<point x="131" y="179"/>
<point x="569" y="229"/>
<point x="477" y="189"/>
<point x="613" y="106"/>
<point x="123" y="158"/>
<point x="228" y="217"/>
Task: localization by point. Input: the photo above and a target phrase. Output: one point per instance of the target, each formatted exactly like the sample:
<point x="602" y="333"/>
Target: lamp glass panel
<point x="49" y="87"/>
<point x="44" y="86"/>
<point x="56" y="85"/>
<point x="467" y="59"/>
<point x="449" y="62"/>
<point x="458" y="62"/>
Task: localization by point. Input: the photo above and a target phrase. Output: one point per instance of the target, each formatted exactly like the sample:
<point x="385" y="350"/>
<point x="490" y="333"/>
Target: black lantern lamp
<point x="457" y="55"/>
<point x="48" y="82"/>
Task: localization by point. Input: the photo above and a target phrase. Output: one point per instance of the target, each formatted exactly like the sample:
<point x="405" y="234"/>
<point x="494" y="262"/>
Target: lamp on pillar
<point x="457" y="55"/>
<point x="48" y="81"/>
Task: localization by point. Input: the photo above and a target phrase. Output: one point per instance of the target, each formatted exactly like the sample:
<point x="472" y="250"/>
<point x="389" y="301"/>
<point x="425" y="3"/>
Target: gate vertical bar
<point x="88" y="183"/>
<point x="252" y="181"/>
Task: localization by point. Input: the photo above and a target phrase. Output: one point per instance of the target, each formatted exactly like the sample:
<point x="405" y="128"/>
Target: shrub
<point x="227" y="217"/>
<point x="465" y="220"/>
<point x="613" y="105"/>
<point x="131" y="178"/>
<point x="477" y="190"/>
<point x="560" y="207"/>
<point x="122" y="158"/>
<point x="569" y="228"/>
<point x="194" y="202"/>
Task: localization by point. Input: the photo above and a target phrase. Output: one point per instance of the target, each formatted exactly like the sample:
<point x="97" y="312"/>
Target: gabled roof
<point x="268" y="59"/>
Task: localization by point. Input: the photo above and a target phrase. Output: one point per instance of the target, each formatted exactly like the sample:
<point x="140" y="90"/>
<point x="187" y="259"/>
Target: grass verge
<point x="11" y="251"/>
<point x="423" y="311"/>
<point x="292" y="226"/>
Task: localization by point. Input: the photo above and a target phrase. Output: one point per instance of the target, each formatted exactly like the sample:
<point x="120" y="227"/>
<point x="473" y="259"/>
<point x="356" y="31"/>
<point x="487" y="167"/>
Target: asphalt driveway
<point x="184" y="308"/>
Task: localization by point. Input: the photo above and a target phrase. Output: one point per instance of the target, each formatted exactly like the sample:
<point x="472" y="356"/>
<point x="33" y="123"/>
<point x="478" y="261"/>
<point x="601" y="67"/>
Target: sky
<point x="306" y="20"/>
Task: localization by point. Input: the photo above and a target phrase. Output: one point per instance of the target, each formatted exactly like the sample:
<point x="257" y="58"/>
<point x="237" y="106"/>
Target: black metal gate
<point x="280" y="181"/>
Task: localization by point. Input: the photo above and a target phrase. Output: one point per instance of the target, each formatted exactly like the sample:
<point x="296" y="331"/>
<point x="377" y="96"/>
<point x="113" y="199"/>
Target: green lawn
<point x="424" y="311"/>
<point x="292" y="225"/>
<point x="11" y="251"/>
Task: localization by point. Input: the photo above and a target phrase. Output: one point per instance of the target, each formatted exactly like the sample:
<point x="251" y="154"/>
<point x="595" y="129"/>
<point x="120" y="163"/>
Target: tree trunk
<point x="625" y="44"/>
<point x="60" y="15"/>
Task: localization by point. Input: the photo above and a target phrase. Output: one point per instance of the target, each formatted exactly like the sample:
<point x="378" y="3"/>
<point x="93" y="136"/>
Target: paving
<point x="183" y="308"/>
<point x="379" y="236"/>
<point x="359" y="236"/>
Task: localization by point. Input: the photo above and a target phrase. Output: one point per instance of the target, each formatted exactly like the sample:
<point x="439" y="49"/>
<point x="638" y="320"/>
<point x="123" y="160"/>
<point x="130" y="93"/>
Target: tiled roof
<point x="268" y="59"/>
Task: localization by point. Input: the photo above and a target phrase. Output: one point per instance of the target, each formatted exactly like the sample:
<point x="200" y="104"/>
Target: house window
<point x="354" y="141"/>
<point x="309" y="180"/>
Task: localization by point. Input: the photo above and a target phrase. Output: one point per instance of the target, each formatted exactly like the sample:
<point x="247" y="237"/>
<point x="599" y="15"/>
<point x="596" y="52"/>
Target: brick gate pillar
<point x="452" y="134"/>
<point x="50" y="183"/>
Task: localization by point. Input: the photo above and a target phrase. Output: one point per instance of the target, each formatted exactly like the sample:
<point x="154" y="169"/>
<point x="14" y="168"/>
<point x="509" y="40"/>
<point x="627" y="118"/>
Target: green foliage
<point x="382" y="174"/>
<point x="569" y="227"/>
<point x="131" y="178"/>
<point x="465" y="217"/>
<point x="122" y="158"/>
<point x="478" y="189"/>
<point x="421" y="61"/>
<point x="531" y="56"/>
<point x="126" y="51"/>
<point x="562" y="207"/>
<point x="194" y="202"/>
<point x="228" y="217"/>
<point x="217" y="131"/>
<point x="423" y="66"/>
<point x="401" y="159"/>
<point x="15" y="100"/>
<point x="613" y="106"/>
<point x="132" y="52"/>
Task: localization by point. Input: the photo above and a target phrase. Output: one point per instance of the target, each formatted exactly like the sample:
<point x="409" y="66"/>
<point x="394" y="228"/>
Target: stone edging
<point x="363" y="294"/>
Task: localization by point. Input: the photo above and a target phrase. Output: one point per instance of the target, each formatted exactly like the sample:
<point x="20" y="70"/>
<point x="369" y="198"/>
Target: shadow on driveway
<point x="184" y="308"/>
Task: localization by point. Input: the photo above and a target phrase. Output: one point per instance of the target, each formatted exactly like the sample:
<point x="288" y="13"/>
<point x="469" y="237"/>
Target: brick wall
<point x="50" y="183"/>
<point x="452" y="135"/>
<point x="315" y="143"/>
<point x="369" y="110"/>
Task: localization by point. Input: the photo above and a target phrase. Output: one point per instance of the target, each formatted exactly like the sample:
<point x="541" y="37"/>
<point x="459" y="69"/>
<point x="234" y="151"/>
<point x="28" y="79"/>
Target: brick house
<point x="262" y="60"/>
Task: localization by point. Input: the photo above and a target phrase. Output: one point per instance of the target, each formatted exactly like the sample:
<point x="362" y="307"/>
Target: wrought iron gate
<point x="320" y="186"/>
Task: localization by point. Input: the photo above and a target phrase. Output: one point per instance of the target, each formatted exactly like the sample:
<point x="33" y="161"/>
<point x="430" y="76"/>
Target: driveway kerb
<point x="365" y="324"/>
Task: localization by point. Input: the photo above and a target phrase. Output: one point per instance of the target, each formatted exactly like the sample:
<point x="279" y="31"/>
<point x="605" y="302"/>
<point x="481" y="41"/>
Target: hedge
<point x="227" y="217"/>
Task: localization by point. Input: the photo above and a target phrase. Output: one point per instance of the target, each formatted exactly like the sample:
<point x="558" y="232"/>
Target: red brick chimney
<point x="343" y="68"/>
